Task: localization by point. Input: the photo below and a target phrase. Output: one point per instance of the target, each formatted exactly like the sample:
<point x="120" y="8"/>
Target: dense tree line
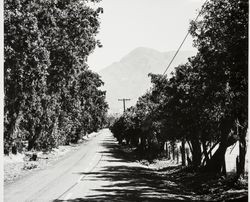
<point x="51" y="97"/>
<point x="204" y="104"/>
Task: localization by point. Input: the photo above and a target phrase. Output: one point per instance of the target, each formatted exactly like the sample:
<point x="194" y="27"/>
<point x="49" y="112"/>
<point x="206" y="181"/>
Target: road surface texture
<point x="97" y="171"/>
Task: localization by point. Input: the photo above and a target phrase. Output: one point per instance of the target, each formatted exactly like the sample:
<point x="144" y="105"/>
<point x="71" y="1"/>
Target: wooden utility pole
<point x="124" y="100"/>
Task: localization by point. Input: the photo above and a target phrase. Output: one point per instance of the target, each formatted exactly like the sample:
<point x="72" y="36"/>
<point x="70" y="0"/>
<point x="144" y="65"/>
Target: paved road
<point x="98" y="171"/>
<point x="64" y="180"/>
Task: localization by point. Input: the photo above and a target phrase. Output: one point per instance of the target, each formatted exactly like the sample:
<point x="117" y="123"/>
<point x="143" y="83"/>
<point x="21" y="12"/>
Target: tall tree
<point x="46" y="48"/>
<point x="221" y="37"/>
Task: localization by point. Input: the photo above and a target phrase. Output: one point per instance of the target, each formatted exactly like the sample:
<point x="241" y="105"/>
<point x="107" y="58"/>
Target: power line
<point x="183" y="40"/>
<point x="124" y="99"/>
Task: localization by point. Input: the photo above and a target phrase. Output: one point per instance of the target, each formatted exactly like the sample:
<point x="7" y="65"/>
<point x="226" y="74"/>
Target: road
<point x="97" y="171"/>
<point x="65" y="179"/>
<point x="100" y="171"/>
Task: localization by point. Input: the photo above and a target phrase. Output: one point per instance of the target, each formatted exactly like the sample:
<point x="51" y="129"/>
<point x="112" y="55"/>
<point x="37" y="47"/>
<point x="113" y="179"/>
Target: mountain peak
<point x="144" y="49"/>
<point x="129" y="77"/>
<point x="141" y="52"/>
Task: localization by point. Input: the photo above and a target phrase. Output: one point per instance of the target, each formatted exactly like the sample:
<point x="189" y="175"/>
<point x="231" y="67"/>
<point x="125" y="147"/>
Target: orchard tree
<point x="221" y="37"/>
<point x="26" y="61"/>
<point x="46" y="48"/>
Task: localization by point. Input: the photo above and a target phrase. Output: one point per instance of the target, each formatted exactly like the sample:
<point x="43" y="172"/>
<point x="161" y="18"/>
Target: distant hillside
<point x="128" y="78"/>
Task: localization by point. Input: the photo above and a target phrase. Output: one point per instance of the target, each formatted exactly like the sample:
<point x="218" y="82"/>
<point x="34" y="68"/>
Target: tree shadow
<point x="136" y="183"/>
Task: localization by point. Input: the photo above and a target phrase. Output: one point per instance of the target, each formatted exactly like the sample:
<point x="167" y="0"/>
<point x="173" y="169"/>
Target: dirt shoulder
<point x="189" y="185"/>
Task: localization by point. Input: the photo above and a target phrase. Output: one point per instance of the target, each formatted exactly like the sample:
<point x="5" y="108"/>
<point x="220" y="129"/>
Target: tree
<point x="221" y="37"/>
<point x="26" y="63"/>
<point x="204" y="102"/>
<point x="46" y="48"/>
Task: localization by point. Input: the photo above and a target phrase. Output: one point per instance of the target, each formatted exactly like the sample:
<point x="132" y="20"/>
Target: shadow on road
<point x="133" y="183"/>
<point x="129" y="183"/>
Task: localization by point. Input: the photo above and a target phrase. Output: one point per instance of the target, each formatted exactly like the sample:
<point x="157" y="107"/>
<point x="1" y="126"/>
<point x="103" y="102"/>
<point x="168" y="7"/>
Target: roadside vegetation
<point x="202" y="108"/>
<point x="51" y="97"/>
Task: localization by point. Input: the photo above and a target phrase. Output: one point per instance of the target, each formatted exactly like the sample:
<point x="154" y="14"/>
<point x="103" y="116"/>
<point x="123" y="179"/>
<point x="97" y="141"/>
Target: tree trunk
<point x="217" y="161"/>
<point x="35" y="133"/>
<point x="14" y="132"/>
<point x="205" y="152"/>
<point x="173" y="150"/>
<point x="177" y="154"/>
<point x="211" y="148"/>
<point x="224" y="170"/>
<point x="169" y="152"/>
<point x="215" y="164"/>
<point x="166" y="149"/>
<point x="143" y="144"/>
<point x="31" y="143"/>
<point x="242" y="152"/>
<point x="139" y="142"/>
<point x="190" y="146"/>
<point x="183" y="154"/>
<point x="196" y="153"/>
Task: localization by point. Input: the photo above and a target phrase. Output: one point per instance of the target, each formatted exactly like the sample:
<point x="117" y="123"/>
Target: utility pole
<point x="124" y="100"/>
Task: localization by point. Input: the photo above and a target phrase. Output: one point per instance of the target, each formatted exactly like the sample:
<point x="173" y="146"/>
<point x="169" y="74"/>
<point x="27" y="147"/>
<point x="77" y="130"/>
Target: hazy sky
<point x="128" y="24"/>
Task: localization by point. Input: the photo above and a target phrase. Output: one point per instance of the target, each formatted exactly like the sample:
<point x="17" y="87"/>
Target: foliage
<point x="51" y="97"/>
<point x="204" y="102"/>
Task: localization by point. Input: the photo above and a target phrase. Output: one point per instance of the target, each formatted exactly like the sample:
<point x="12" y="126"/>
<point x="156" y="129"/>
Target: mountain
<point x="128" y="78"/>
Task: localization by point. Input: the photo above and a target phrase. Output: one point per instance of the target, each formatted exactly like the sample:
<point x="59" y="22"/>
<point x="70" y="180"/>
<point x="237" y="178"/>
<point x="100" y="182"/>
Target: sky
<point x="128" y="24"/>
